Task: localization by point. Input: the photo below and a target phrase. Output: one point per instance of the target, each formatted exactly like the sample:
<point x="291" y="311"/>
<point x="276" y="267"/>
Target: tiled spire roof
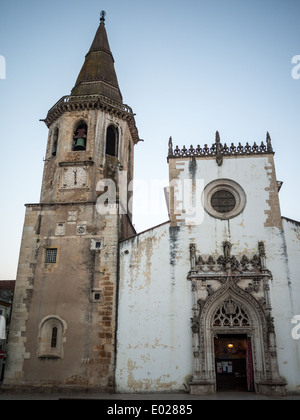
<point x="97" y="75"/>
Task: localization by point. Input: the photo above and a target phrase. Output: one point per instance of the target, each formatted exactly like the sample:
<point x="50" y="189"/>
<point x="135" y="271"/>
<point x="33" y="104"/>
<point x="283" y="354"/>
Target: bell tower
<point x="64" y="315"/>
<point x="91" y="131"/>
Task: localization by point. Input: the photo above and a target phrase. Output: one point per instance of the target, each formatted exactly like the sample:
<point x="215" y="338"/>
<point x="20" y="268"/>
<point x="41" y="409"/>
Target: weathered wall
<point x="65" y="289"/>
<point x="286" y="301"/>
<point x="23" y="290"/>
<point x="154" y="348"/>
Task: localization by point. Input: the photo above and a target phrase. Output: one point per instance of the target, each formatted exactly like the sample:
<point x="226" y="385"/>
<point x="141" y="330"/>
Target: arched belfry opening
<point x="112" y="141"/>
<point x="80" y="136"/>
<point x="232" y="327"/>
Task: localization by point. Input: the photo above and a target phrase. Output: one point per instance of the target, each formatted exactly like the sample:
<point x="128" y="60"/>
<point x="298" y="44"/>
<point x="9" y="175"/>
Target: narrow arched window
<point x="112" y="141"/>
<point x="50" y="338"/>
<point x="79" y="137"/>
<point x="55" y="142"/>
<point x="54" y="337"/>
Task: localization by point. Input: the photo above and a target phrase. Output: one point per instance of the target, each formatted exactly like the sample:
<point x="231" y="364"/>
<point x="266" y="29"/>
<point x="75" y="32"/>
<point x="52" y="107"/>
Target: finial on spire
<point x="102" y="16"/>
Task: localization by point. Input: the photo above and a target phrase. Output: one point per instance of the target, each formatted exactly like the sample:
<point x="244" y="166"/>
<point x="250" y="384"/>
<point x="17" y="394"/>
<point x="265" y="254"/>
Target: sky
<point x="186" y="68"/>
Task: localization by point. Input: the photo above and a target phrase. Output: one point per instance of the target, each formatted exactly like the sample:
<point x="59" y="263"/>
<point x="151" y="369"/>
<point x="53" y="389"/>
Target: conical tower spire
<point x="97" y="75"/>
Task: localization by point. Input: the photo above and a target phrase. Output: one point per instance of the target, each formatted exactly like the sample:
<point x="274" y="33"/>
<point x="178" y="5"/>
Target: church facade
<point x="208" y="300"/>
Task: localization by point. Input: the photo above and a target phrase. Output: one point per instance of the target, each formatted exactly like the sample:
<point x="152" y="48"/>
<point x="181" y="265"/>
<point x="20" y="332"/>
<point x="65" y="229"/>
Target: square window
<point x="51" y="254"/>
<point x="97" y="296"/>
<point x="96" y="244"/>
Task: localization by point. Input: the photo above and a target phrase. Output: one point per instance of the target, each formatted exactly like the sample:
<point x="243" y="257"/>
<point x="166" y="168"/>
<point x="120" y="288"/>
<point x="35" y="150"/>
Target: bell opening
<point x="79" y="144"/>
<point x="79" y="138"/>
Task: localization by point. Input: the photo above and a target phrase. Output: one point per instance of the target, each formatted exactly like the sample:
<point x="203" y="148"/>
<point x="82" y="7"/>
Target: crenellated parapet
<point x="219" y="150"/>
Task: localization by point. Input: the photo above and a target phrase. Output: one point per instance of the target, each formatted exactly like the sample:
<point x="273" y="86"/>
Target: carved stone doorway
<point x="231" y="297"/>
<point x="233" y="362"/>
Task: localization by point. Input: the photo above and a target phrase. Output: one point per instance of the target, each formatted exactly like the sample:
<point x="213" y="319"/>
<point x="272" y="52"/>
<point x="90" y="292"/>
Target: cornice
<point x="71" y="103"/>
<point x="77" y="163"/>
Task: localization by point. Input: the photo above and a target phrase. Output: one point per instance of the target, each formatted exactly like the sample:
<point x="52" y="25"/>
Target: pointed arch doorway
<point x="231" y="338"/>
<point x="231" y="301"/>
<point x="232" y="347"/>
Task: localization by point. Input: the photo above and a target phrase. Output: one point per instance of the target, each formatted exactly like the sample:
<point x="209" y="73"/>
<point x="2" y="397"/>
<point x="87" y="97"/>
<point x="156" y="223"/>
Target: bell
<point x="80" y="144"/>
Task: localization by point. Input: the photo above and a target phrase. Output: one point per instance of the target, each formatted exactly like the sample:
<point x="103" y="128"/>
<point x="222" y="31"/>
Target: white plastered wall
<point x="154" y="347"/>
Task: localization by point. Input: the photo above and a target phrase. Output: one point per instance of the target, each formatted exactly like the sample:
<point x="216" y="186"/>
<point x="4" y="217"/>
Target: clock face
<point x="75" y="177"/>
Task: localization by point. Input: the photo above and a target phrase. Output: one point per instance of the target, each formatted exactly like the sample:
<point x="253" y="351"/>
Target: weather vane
<point x="102" y="16"/>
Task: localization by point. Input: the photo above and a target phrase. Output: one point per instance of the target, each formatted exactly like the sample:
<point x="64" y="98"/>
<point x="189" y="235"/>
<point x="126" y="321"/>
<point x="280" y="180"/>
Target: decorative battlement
<point x="87" y="102"/>
<point x="71" y="103"/>
<point x="218" y="150"/>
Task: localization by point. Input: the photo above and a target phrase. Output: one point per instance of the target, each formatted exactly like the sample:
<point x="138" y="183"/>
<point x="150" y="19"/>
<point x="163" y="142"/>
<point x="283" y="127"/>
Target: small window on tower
<point x="55" y="142"/>
<point x="79" y="137"/>
<point x="97" y="296"/>
<point x="54" y="337"/>
<point x="51" y="255"/>
<point x="112" y="141"/>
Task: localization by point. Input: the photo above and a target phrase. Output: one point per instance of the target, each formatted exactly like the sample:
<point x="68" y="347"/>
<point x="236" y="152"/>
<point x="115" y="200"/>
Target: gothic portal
<point x="231" y="298"/>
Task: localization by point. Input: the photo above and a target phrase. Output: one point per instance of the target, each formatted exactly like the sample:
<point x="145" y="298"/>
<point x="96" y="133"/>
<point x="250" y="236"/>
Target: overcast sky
<point x="186" y="68"/>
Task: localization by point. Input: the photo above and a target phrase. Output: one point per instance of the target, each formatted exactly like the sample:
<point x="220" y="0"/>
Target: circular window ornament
<point x="224" y="199"/>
